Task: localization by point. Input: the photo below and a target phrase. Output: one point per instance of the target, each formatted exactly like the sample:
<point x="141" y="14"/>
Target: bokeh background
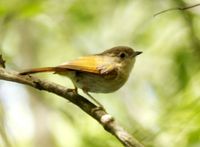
<point x="160" y="102"/>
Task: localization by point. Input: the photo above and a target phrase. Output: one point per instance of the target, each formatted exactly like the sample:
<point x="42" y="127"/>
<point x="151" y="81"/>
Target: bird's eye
<point x="122" y="55"/>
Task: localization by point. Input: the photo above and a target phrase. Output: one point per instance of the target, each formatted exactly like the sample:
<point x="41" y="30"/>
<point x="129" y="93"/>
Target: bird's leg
<point x="98" y="103"/>
<point x="75" y="90"/>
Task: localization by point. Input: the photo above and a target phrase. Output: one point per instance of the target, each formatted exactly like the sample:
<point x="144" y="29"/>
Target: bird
<point x="104" y="72"/>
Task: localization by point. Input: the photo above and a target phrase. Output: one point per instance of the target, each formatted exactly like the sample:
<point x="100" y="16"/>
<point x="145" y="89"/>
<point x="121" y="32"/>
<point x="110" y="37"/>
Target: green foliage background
<point x="160" y="102"/>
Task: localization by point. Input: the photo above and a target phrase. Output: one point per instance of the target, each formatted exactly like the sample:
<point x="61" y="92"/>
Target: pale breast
<point x="99" y="83"/>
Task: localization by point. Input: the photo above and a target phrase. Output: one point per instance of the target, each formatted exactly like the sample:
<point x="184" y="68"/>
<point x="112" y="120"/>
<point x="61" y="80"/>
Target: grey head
<point x="121" y="52"/>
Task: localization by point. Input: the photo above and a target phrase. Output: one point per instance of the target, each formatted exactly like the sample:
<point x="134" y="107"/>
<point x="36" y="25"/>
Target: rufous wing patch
<point x="89" y="64"/>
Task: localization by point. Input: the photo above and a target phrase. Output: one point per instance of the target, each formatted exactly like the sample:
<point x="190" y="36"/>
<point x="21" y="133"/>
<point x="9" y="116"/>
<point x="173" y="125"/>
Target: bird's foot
<point x="74" y="91"/>
<point x="98" y="108"/>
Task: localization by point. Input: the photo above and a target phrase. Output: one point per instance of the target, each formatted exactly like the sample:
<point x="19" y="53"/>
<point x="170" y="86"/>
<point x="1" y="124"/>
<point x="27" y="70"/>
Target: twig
<point x="105" y="119"/>
<point x="177" y="8"/>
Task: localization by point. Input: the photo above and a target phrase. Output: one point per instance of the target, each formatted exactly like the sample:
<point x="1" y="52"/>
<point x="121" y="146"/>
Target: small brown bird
<point x="99" y="73"/>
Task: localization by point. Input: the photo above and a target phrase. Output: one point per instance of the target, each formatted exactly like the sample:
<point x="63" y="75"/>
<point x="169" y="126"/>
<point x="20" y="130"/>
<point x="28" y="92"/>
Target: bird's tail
<point x="37" y="70"/>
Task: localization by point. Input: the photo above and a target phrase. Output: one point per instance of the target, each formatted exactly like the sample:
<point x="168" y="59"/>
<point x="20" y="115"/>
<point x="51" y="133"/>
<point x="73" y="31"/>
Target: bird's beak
<point x="136" y="53"/>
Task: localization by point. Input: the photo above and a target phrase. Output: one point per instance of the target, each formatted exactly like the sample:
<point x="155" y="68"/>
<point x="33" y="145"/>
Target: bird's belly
<point x="98" y="83"/>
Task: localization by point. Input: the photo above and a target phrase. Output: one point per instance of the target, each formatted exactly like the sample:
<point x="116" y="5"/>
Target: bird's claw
<point x="75" y="91"/>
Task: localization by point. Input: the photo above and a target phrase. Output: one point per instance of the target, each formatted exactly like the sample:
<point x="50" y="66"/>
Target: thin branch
<point x="177" y="8"/>
<point x="105" y="119"/>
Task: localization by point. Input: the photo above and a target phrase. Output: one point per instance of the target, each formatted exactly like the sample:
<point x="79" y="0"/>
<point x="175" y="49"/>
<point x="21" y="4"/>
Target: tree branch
<point x="105" y="119"/>
<point x="177" y="8"/>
